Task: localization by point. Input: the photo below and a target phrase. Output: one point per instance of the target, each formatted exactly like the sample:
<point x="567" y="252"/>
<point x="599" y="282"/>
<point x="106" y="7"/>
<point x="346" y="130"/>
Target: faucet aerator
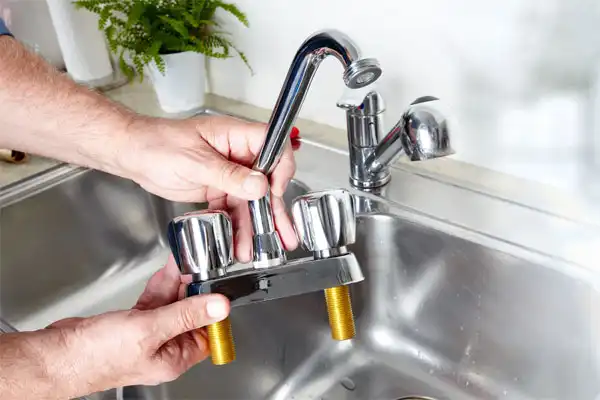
<point x="362" y="73"/>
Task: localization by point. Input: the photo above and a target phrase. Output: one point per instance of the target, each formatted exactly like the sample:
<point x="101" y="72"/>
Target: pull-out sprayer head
<point x="425" y="133"/>
<point x="422" y="133"/>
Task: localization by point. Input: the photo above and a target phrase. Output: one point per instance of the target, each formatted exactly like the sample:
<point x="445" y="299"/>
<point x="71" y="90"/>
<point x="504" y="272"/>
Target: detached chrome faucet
<point x="325" y="221"/>
<point x="325" y="224"/>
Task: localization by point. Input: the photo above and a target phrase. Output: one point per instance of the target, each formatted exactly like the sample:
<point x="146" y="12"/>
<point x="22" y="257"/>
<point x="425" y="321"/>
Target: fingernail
<point x="216" y="308"/>
<point x="254" y="183"/>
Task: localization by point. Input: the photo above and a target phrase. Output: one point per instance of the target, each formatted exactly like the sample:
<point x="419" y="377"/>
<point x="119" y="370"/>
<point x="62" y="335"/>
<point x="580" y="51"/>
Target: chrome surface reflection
<point x="202" y="243"/>
<point x="466" y="296"/>
<point x="325" y="221"/>
<point x="422" y="133"/>
<point x="297" y="277"/>
<point x="358" y="72"/>
<point x="72" y="235"/>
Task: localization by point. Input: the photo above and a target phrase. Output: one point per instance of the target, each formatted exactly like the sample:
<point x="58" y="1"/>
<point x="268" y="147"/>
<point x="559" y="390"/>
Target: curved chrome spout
<point x="268" y="250"/>
<point x="357" y="73"/>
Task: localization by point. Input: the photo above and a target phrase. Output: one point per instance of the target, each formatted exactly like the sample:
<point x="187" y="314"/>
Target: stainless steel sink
<point x="458" y="303"/>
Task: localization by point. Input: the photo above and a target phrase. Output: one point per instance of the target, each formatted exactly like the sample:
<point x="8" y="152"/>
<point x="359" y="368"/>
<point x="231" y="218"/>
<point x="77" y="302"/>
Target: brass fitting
<point x="220" y="342"/>
<point x="339" y="309"/>
<point x="13" y="156"/>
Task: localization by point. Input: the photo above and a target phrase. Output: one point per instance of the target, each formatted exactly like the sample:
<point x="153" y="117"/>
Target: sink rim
<point x="432" y="212"/>
<point x="399" y="208"/>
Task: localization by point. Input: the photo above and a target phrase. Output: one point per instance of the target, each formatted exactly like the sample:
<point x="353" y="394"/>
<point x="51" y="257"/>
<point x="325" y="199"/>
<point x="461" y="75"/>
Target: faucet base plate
<point x="297" y="277"/>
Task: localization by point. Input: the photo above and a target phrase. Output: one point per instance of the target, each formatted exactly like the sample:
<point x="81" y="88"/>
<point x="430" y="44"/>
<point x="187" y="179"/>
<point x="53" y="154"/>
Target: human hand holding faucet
<point x="206" y="159"/>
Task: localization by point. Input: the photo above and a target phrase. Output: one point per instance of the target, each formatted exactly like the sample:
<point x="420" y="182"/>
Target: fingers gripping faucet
<point x="325" y="221"/>
<point x="325" y="224"/>
<point x="201" y="243"/>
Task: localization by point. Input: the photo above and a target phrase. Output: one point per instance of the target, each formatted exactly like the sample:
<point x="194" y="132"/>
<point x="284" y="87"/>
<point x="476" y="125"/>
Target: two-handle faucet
<point x="325" y="222"/>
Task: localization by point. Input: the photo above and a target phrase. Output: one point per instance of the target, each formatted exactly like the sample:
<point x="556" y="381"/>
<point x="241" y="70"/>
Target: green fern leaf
<point x="178" y="26"/>
<point x="105" y="15"/>
<point x="191" y="19"/>
<point x="198" y="8"/>
<point x="146" y="29"/>
<point x="135" y="13"/>
<point x="127" y="70"/>
<point x="234" y="10"/>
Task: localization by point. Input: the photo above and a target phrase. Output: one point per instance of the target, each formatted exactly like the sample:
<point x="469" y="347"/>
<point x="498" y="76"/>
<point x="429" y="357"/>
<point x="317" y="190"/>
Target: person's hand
<point x="202" y="158"/>
<point x="155" y="342"/>
<point x="209" y="159"/>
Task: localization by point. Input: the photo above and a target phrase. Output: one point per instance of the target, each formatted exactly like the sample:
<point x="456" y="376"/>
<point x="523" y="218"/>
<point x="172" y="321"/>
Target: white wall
<point x="522" y="77"/>
<point x="29" y="20"/>
<point x="517" y="75"/>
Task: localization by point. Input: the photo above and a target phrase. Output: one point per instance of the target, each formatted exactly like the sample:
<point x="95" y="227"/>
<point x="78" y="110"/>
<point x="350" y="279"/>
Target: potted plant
<point x="167" y="40"/>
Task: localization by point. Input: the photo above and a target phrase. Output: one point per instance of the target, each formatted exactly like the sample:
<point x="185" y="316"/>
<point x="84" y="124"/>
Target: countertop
<point x="140" y="97"/>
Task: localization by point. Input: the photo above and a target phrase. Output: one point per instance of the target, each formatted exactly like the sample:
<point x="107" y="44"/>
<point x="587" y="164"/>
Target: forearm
<point x="33" y="366"/>
<point x="44" y="112"/>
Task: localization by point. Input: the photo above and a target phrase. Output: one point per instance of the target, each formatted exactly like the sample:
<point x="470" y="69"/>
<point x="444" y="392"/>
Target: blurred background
<point x="522" y="78"/>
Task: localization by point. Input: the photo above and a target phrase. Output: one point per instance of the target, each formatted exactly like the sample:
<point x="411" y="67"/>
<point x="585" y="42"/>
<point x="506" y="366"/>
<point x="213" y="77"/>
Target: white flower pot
<point x="183" y="85"/>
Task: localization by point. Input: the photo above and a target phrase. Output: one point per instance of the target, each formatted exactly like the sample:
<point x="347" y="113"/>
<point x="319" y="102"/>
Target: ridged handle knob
<point x="325" y="221"/>
<point x="202" y="243"/>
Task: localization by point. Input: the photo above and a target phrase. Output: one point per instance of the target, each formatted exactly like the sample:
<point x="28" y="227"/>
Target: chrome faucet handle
<point x="362" y="102"/>
<point x="202" y="244"/>
<point x="325" y="222"/>
<point x="364" y="119"/>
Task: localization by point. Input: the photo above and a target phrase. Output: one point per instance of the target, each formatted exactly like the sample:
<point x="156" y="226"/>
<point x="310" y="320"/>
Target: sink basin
<point x="80" y="235"/>
<point x="454" y="305"/>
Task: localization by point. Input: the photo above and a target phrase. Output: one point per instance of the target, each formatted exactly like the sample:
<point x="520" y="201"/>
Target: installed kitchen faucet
<point x="325" y="221"/>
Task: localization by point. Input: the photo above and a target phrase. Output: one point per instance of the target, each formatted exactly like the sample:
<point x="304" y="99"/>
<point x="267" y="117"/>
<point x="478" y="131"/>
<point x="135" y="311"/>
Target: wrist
<point x="108" y="146"/>
<point x="133" y="145"/>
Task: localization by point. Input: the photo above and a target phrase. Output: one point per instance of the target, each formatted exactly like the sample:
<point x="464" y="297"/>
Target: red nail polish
<point x="294" y="133"/>
<point x="296" y="142"/>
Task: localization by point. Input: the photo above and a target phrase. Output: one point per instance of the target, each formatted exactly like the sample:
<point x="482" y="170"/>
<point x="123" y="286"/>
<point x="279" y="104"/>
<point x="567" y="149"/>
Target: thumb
<point x="187" y="315"/>
<point x="233" y="178"/>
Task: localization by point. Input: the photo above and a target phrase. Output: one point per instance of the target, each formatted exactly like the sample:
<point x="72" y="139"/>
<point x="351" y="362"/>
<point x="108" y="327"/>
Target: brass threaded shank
<point x="339" y="309"/>
<point x="220" y="341"/>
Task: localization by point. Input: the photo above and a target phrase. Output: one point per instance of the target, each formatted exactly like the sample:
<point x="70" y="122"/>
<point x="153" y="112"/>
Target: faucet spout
<point x="357" y="73"/>
<point x="268" y="249"/>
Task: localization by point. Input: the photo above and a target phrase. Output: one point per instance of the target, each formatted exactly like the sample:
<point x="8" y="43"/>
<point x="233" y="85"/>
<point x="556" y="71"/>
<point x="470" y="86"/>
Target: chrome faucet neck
<point x="268" y="250"/>
<point x="365" y="127"/>
<point x="297" y="82"/>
